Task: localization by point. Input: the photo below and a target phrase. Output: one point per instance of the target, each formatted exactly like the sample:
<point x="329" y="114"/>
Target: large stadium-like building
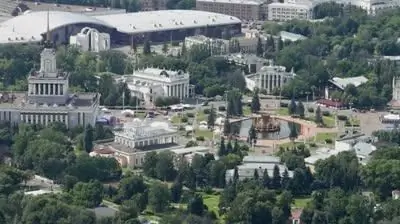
<point x="156" y="26"/>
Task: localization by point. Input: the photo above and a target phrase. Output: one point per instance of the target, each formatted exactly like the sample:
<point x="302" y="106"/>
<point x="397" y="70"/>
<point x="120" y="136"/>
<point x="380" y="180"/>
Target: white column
<point x="31" y="116"/>
<point x="66" y="120"/>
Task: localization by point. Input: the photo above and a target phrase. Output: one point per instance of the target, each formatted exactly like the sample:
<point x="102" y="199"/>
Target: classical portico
<point x="48" y="85"/>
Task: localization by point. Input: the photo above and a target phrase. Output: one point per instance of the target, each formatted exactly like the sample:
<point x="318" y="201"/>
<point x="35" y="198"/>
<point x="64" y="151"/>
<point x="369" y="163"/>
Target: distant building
<point x="259" y="163"/>
<point x="288" y="36"/>
<point x="90" y="39"/>
<point x="48" y="99"/>
<point x="136" y="139"/>
<point x="245" y="10"/>
<point x="250" y="62"/>
<point x="246" y="171"/>
<point x="216" y="46"/>
<point x="290" y="10"/>
<point x="150" y="83"/>
<point x="269" y="78"/>
<point x="339" y="84"/>
<point x="152" y="5"/>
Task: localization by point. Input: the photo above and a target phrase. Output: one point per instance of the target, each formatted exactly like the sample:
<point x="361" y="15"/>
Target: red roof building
<point x="295" y="217"/>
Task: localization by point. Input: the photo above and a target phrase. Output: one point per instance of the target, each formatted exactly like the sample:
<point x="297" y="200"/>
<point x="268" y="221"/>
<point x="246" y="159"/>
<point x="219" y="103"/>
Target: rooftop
<point x="242" y="2"/>
<point x="343" y="82"/>
<point x="261" y="159"/>
<point x="139" y="129"/>
<point x="291" y="36"/>
<point x="16" y="30"/>
<point x="36" y="6"/>
<point x="364" y="149"/>
<point x="149" y="21"/>
<point x="19" y="101"/>
<point x="157" y="74"/>
<point x="292" y="5"/>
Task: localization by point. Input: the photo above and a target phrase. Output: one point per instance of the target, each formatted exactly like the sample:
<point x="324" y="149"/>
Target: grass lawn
<point x="329" y="121"/>
<point x="212" y="202"/>
<point x="321" y="137"/>
<point x="283" y="111"/>
<point x="246" y="111"/>
<point x="201" y="116"/>
<point x="301" y="202"/>
<point x="176" y="119"/>
<point x="205" y="133"/>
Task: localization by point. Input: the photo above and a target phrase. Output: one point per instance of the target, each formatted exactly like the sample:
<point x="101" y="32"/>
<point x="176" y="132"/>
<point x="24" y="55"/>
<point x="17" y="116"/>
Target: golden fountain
<point x="265" y="123"/>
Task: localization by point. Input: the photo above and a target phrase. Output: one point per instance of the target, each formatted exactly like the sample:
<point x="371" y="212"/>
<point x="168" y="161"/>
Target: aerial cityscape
<point x="200" y="112"/>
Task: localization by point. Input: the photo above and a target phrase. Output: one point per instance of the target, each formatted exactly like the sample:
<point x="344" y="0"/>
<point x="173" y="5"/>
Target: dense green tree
<point x="150" y="163"/>
<point x="318" y="116"/>
<point x="255" y="102"/>
<point x="165" y="166"/>
<point x="255" y="175"/>
<point x="227" y="127"/>
<point x="165" y="48"/>
<point x="276" y="178"/>
<point x="211" y="118"/>
<point x="159" y="197"/>
<point x="292" y="108"/>
<point x="222" y="148"/>
<point x="88" y="195"/>
<point x="260" y="48"/>
<point x="266" y="180"/>
<point x="146" y="47"/>
<point x="252" y="139"/>
<point x="88" y="138"/>
<point x="293" y="133"/>
<point x="300" y="109"/>
<point x="196" y="205"/>
<point x="176" y="192"/>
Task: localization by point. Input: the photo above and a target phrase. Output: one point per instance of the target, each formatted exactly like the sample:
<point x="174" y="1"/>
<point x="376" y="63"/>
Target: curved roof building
<point x="31" y="26"/>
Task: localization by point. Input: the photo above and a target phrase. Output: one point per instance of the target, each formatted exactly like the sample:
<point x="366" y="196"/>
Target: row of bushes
<point x="310" y="110"/>
<point x="208" y="110"/>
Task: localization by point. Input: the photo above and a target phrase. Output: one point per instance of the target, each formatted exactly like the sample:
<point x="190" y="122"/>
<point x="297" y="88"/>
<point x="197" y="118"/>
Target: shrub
<point x="200" y="138"/>
<point x="207" y="111"/>
<point x="342" y="117"/>
<point x="191" y="115"/>
<point x="313" y="145"/>
<point x="328" y="141"/>
<point x="184" y="119"/>
<point x="221" y="108"/>
<point x="284" y="104"/>
<point x="326" y="113"/>
<point x="310" y="109"/>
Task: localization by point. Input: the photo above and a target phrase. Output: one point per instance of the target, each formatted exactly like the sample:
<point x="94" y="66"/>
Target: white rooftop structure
<point x="343" y="82"/>
<point x="18" y="30"/>
<point x="138" y="130"/>
<point x="243" y="2"/>
<point x="291" y="36"/>
<point x="152" y="21"/>
<point x="320" y="154"/>
<point x="261" y="159"/>
<point x="31" y="26"/>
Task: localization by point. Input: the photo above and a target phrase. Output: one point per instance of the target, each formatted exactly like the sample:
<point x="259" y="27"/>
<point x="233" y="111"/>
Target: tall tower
<point x="48" y="85"/>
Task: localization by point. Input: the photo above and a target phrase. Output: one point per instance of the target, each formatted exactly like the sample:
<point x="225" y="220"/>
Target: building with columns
<point x="48" y="99"/>
<point x="270" y="78"/>
<point x="150" y="83"/>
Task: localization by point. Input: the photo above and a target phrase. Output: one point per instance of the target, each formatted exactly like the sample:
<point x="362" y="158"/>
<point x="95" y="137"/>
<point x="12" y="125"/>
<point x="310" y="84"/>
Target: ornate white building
<point x="151" y="83"/>
<point x="90" y="39"/>
<point x="139" y="134"/>
<point x="269" y="78"/>
<point x="48" y="99"/>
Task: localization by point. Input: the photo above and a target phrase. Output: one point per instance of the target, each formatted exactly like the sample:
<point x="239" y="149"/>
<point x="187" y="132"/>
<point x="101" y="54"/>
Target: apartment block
<point x="244" y="10"/>
<point x="290" y="10"/>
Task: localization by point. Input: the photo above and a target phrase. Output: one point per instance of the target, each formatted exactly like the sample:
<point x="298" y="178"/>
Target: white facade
<point x="269" y="78"/>
<point x="142" y="133"/>
<point x="217" y="46"/>
<point x="90" y="39"/>
<point x="48" y="99"/>
<point x="151" y="83"/>
<point x="290" y="10"/>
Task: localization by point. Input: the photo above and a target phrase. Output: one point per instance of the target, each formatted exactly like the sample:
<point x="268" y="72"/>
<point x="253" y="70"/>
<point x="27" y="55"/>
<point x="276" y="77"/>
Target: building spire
<point x="48" y="34"/>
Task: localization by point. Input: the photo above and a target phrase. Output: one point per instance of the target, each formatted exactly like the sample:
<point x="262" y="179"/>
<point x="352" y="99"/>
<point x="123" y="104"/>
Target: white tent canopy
<point x="128" y="112"/>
